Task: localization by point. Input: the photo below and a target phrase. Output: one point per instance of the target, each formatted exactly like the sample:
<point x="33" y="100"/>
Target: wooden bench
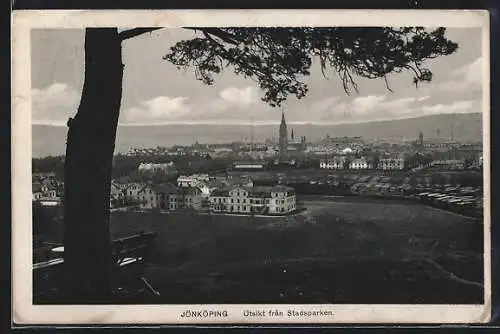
<point x="129" y="255"/>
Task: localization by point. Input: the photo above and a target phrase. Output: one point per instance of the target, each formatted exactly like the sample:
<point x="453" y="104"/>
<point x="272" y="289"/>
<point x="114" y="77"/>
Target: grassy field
<point x="335" y="251"/>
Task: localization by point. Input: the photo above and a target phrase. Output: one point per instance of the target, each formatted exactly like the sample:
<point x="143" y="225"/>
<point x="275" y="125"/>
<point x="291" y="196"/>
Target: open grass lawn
<point x="336" y="251"/>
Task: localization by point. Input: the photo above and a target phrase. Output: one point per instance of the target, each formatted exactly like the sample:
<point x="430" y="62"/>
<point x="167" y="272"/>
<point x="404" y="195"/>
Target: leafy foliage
<point x="279" y="58"/>
<point x="49" y="164"/>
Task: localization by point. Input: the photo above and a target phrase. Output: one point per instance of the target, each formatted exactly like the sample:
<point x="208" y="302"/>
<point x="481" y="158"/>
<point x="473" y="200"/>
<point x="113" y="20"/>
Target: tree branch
<point x="387" y="84"/>
<point x="126" y="34"/>
<point x="217" y="32"/>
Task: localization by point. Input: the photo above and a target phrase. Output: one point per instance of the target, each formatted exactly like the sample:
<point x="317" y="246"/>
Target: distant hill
<point x="51" y="140"/>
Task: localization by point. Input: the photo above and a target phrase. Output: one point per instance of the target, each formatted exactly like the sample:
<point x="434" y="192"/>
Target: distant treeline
<point x="127" y="166"/>
<point x="50" y="164"/>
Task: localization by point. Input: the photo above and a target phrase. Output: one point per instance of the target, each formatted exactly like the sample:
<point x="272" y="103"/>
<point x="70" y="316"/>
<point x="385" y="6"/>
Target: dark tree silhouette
<point x="277" y="58"/>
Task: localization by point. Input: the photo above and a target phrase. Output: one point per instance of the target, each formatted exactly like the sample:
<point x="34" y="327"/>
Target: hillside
<point x="51" y="140"/>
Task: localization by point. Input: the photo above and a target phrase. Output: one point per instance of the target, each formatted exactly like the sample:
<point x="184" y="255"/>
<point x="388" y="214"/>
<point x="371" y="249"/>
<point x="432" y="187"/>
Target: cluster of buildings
<point x="239" y="195"/>
<point x="376" y="185"/>
<point x="336" y="146"/>
<point x="414" y="162"/>
<point x="200" y="150"/>
<point x="284" y="147"/>
<point x="335" y="153"/>
<point x="349" y="162"/>
<point x="46" y="188"/>
<point x="151" y="169"/>
<point x="422" y="189"/>
<point x="201" y="192"/>
<point x="465" y="200"/>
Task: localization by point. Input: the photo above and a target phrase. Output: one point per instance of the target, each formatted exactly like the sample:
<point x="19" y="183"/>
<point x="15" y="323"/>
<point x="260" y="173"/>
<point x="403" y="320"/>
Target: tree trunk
<point x="89" y="154"/>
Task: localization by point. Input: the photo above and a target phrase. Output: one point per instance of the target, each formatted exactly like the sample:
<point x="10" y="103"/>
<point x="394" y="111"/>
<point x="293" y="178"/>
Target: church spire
<point x="283" y="136"/>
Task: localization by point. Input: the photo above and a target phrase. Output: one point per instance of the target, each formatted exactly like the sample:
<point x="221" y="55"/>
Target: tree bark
<point x="89" y="154"/>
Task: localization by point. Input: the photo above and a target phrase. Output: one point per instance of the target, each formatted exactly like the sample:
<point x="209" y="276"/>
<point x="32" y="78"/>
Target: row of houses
<point x="196" y="192"/>
<point x="363" y="163"/>
<point x="395" y="164"/>
<point x="451" y="164"/>
<point x="155" y="196"/>
<point x="46" y="186"/>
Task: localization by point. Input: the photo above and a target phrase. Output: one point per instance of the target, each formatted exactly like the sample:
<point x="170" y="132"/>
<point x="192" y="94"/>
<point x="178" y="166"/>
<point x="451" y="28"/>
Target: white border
<point x="26" y="313"/>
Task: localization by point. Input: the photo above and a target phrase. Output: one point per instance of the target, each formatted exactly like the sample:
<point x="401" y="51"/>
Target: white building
<point x="248" y="165"/>
<point x="449" y="164"/>
<point x="192" y="180"/>
<point x="132" y="190"/>
<point x="347" y="150"/>
<point x="335" y="163"/>
<point x="169" y="197"/>
<point x="37" y="192"/>
<point x="254" y="200"/>
<point x="391" y="164"/>
<point x="360" y="163"/>
<point x="43" y="191"/>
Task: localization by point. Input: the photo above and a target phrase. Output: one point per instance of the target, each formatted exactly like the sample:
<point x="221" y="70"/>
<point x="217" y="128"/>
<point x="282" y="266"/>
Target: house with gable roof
<point x="253" y="200"/>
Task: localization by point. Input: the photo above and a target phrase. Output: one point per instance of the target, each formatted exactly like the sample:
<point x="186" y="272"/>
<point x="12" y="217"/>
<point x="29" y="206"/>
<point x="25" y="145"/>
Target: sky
<point x="156" y="92"/>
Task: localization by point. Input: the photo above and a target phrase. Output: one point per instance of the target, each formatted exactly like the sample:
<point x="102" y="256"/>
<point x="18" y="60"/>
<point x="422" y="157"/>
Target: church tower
<point x="283" y="140"/>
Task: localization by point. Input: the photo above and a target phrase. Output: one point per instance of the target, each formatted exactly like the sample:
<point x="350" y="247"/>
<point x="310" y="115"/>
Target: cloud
<point x="230" y="104"/>
<point x="54" y="104"/>
<point x="457" y="107"/>
<point x="468" y="77"/>
<point x="365" y="108"/>
<point x="367" y="104"/>
<point x="472" y="73"/>
<point x="244" y="96"/>
<point x="423" y="98"/>
<point x="372" y="108"/>
<point x="158" y="109"/>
